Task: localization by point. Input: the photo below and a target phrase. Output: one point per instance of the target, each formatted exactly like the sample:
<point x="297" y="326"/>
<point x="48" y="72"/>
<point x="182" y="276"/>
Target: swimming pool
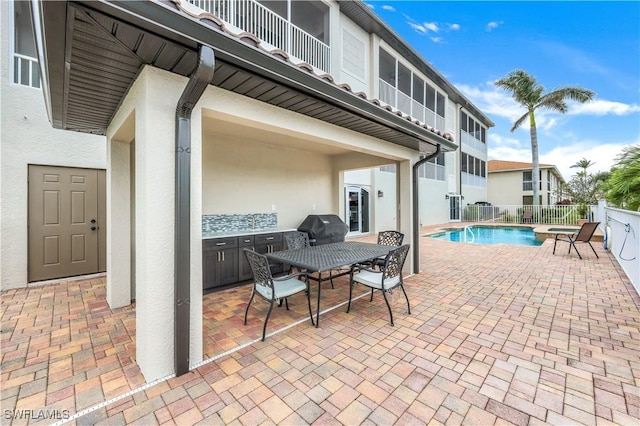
<point x="491" y="235"/>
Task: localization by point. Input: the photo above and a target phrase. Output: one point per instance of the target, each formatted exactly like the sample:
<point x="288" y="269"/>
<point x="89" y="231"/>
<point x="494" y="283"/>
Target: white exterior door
<point x="357" y="209"/>
<point x="455" y="214"/>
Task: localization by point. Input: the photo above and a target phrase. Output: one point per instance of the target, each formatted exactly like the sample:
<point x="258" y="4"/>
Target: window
<point x="434" y="168"/>
<point x="387" y="68"/>
<point x="418" y="90"/>
<point x="312" y="17"/>
<point x="404" y="79"/>
<point x="440" y="104"/>
<point x="527" y="180"/>
<point x="391" y="168"/>
<point x="463" y="121"/>
<point x="25" y="63"/>
<point x="464" y="167"/>
<point x="431" y="97"/>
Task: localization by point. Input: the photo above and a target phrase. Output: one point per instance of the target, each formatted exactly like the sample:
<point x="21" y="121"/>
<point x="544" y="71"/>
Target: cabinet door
<point x="244" y="270"/>
<point x="228" y="266"/>
<point x="276" y="268"/>
<point x="209" y="269"/>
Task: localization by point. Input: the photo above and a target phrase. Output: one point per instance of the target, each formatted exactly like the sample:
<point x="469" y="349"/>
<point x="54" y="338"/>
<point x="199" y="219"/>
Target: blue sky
<point x="595" y="45"/>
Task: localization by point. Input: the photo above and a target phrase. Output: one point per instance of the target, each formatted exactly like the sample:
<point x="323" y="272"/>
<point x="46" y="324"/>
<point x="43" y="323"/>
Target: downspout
<point x="416" y="209"/>
<point x="194" y="89"/>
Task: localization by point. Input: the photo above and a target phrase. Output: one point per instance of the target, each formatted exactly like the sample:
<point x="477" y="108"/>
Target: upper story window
<point x="391" y="168"/>
<point x="472" y="133"/>
<point x="473" y="127"/>
<point x="25" y="62"/>
<point x="474" y="170"/>
<point x="434" y="168"/>
<point x="300" y="28"/>
<point x="527" y="180"/>
<point x="311" y="16"/>
<point x="409" y="92"/>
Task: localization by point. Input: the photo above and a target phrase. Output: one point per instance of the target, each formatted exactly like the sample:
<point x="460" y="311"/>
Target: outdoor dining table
<point x="328" y="257"/>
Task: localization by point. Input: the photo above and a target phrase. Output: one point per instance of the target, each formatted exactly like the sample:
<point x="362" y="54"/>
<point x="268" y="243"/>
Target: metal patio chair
<point x="385" y="280"/>
<point x="297" y="240"/>
<point x="272" y="289"/>
<point x="582" y="236"/>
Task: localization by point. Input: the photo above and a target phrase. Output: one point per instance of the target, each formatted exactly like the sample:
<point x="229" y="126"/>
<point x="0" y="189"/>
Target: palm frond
<point x="519" y="122"/>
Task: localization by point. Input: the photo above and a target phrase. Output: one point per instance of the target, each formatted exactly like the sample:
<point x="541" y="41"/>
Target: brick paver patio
<point x="497" y="335"/>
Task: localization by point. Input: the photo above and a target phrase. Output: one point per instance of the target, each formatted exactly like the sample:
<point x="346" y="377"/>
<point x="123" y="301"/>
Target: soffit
<point x="94" y="50"/>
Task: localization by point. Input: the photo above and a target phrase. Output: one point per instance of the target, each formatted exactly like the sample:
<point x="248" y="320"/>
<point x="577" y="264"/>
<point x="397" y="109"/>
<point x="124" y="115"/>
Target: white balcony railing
<point x="271" y="28"/>
<point x="470" y="141"/>
<point x="26" y="70"/>
<point x="394" y="97"/>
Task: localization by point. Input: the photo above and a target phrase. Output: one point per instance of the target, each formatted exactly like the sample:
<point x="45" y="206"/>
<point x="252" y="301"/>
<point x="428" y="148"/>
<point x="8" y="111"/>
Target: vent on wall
<point x="353" y="55"/>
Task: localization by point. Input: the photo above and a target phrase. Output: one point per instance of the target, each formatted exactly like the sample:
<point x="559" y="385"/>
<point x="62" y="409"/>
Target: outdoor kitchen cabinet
<point x="268" y="243"/>
<point x="244" y="269"/>
<point x="224" y="263"/>
<point x="220" y="261"/>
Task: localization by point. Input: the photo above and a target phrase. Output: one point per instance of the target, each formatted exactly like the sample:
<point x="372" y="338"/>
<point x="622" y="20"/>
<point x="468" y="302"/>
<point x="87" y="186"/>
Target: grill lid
<point x="324" y="228"/>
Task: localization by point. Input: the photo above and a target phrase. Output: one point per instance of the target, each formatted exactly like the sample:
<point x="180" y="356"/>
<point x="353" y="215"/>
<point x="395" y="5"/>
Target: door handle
<point x="93" y="228"/>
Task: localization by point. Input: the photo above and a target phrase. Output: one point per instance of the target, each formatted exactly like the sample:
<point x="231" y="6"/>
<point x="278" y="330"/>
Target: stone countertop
<point x="208" y="235"/>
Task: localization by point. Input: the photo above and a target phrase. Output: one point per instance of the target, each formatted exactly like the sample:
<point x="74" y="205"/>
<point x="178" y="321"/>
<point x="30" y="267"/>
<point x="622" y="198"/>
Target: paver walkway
<point x="497" y="335"/>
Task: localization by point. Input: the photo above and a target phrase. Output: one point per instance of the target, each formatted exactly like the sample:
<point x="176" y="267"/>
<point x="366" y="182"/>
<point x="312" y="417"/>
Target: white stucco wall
<point x="434" y="208"/>
<point x="505" y="188"/>
<point x="243" y="177"/>
<point x="276" y="158"/>
<point x="26" y="137"/>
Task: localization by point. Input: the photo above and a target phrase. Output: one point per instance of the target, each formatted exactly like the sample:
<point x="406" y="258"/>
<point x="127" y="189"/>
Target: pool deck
<point x="498" y="335"/>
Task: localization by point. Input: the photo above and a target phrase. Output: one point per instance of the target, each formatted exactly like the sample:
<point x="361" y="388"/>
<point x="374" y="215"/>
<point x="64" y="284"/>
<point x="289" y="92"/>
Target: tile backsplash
<point x="220" y="223"/>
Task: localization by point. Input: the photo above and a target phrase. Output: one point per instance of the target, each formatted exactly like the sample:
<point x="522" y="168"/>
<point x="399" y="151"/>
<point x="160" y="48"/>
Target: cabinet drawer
<point x="268" y="238"/>
<point x="220" y="243"/>
<point x="246" y="241"/>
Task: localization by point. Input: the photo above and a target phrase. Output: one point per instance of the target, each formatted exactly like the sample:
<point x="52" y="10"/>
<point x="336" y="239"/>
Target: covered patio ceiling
<point x="92" y="51"/>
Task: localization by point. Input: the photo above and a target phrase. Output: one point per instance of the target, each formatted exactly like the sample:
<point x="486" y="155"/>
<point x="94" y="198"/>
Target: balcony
<point x="401" y="101"/>
<point x="26" y="71"/>
<point x="272" y="29"/>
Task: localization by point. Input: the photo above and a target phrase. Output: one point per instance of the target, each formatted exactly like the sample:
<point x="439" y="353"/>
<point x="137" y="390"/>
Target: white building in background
<point x="511" y="183"/>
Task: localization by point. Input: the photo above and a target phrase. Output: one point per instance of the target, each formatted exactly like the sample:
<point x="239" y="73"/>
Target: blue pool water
<point x="491" y="235"/>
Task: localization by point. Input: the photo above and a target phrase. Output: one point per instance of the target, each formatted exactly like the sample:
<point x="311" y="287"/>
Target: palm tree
<point x="624" y="184"/>
<point x="525" y="90"/>
<point x="583" y="164"/>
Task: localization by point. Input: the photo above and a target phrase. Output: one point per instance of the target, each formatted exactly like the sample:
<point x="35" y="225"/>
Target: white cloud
<point x="454" y="27"/>
<point x="493" y="25"/>
<point x="370" y="6"/>
<point x="497" y="102"/>
<point x="601" y="154"/>
<point x="418" y="28"/>
<point x="437" y="39"/>
<point x="602" y="107"/>
<point x="563" y="157"/>
<point x="389" y="8"/>
<point x="431" y="26"/>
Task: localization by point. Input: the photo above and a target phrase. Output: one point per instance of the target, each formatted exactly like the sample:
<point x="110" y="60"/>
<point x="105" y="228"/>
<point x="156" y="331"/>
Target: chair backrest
<point x="296" y="240"/>
<point x="528" y="214"/>
<point x="394" y="262"/>
<point x="260" y="268"/>
<point x="390" y="238"/>
<point x="586" y="231"/>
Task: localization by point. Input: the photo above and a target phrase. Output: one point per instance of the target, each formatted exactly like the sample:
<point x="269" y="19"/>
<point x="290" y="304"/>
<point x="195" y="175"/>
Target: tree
<point x="527" y="92"/>
<point x="583" y="164"/>
<point x="623" y="185"/>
